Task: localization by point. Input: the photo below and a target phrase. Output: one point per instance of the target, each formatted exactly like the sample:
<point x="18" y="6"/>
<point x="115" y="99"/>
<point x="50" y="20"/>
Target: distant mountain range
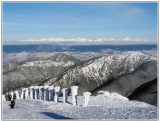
<point x="22" y="53"/>
<point x="75" y="48"/>
<point x="124" y="73"/>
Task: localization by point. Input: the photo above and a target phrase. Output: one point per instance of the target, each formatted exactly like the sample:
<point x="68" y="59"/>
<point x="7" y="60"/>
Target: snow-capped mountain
<point x="140" y="85"/>
<point x="36" y="71"/>
<point x="122" y="72"/>
<point x="96" y="72"/>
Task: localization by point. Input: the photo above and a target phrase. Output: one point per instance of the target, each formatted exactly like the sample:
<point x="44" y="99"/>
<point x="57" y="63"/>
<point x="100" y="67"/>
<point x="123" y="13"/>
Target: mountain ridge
<point x="88" y="75"/>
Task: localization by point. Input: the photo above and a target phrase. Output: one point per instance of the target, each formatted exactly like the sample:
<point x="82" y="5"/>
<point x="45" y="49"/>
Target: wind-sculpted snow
<point x="98" y="71"/>
<point x="104" y="96"/>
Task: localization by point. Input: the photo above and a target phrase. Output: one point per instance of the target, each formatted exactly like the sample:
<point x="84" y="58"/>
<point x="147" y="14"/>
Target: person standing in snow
<point x="13" y="102"/>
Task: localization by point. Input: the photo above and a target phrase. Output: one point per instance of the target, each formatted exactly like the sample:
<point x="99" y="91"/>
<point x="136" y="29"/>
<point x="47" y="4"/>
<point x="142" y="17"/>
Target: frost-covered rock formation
<point x="36" y="93"/>
<point x="46" y="93"/>
<point x="65" y="94"/>
<point x="31" y="92"/>
<point x="86" y="98"/>
<point x="51" y="93"/>
<point x="74" y="92"/>
<point x="57" y="93"/>
<point x="41" y="92"/>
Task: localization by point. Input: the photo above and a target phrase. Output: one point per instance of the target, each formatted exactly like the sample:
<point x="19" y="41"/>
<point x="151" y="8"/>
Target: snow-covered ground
<point x="100" y="108"/>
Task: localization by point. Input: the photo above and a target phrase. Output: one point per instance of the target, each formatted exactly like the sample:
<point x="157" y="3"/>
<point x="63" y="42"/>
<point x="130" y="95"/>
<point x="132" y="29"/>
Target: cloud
<point x="104" y="39"/>
<point x="16" y="57"/>
<point x="58" y="40"/>
<point x="133" y="39"/>
<point x="109" y="51"/>
<point x="126" y="40"/>
<point x="83" y="41"/>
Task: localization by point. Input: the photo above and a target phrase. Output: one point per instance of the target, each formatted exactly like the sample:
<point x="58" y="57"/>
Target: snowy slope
<point x="100" y="108"/>
<point x="36" y="70"/>
<point x="96" y="72"/>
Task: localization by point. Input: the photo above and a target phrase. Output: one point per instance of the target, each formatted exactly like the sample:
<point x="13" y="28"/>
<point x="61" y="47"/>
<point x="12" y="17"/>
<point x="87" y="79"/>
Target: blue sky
<point x="87" y="21"/>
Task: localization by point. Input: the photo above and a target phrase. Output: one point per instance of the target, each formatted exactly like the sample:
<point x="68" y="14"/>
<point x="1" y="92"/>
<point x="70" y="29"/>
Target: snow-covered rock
<point x="86" y="96"/>
<point x="51" y="93"/>
<point x="100" y="92"/>
<point x="36" y="89"/>
<point x="57" y="92"/>
<point x="3" y="98"/>
<point x="41" y="92"/>
<point x="117" y="96"/>
<point x="65" y="94"/>
<point x="46" y="93"/>
<point x="74" y="91"/>
<point x="31" y="88"/>
<point x="114" y="94"/>
<point x="106" y="93"/>
<point x="17" y="94"/>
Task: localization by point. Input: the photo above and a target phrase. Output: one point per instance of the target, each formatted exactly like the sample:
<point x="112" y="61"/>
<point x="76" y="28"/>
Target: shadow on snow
<point x="55" y="116"/>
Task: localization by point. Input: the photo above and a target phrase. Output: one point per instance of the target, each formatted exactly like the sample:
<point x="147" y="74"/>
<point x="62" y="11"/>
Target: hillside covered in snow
<point x="132" y="74"/>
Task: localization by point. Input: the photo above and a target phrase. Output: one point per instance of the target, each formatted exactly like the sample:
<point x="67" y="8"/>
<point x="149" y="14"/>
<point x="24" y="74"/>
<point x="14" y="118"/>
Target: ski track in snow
<point x="100" y="108"/>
